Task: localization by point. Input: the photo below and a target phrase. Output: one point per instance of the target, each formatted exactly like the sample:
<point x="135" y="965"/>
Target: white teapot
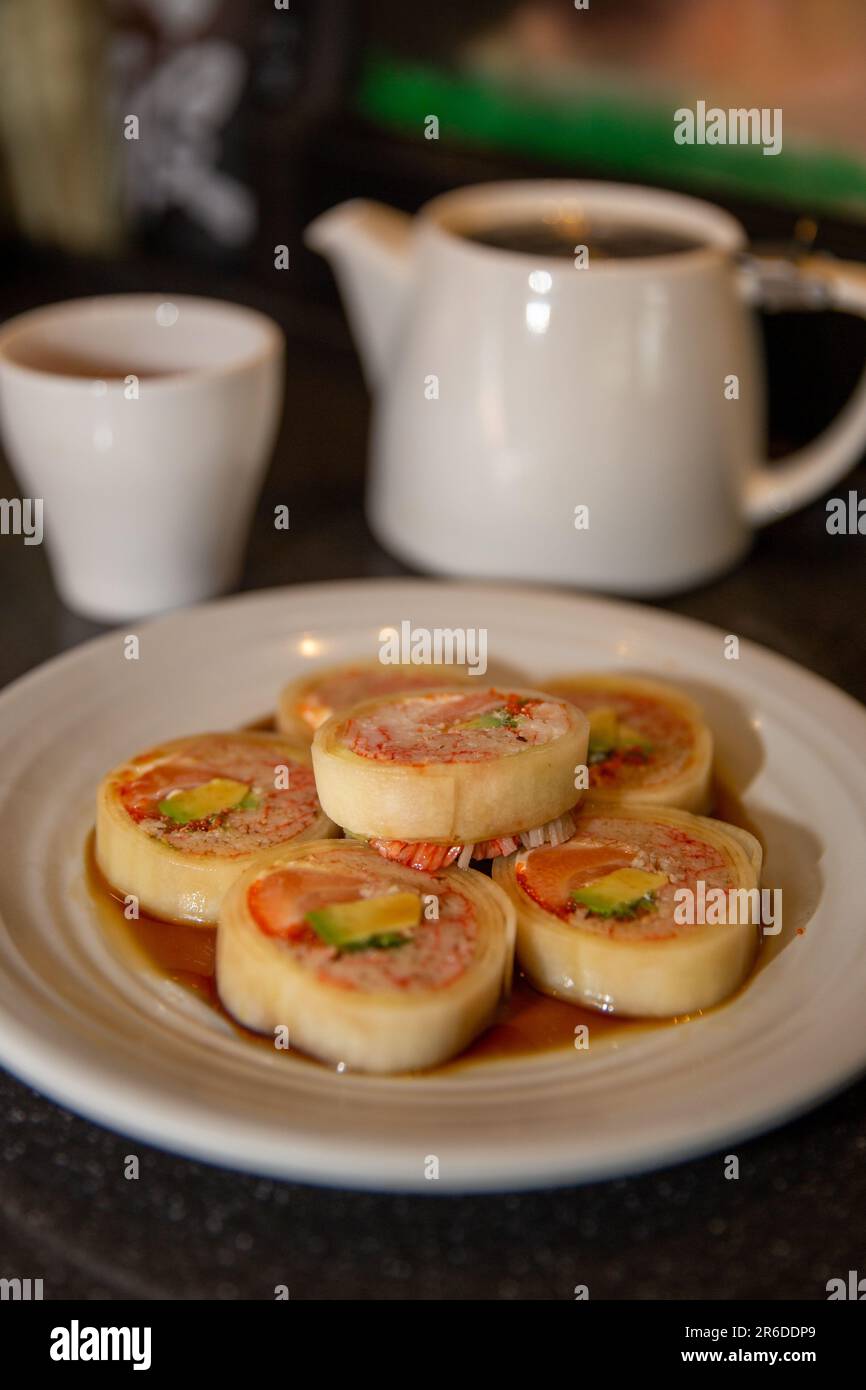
<point x="591" y="422"/>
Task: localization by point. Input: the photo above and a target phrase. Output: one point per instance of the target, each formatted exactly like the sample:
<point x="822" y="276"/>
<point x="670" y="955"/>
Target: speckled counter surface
<point x="793" y="1220"/>
<point x="795" y="1217"/>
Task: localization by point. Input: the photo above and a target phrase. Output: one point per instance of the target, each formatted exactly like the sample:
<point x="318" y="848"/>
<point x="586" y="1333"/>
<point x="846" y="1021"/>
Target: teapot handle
<point x="813" y="282"/>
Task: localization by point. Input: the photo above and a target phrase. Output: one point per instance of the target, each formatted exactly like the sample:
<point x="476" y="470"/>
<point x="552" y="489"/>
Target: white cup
<point x="145" y="426"/>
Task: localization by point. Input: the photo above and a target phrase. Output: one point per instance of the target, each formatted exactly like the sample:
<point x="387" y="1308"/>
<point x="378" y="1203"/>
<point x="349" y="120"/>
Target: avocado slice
<point x="623" y="893"/>
<point x="603" y="732"/>
<point x="198" y="803"/>
<point x="495" y="719"/>
<point x="387" y="920"/>
<point x="607" y="735"/>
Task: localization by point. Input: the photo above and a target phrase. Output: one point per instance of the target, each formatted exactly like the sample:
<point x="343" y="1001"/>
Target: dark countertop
<point x="795" y="1217"/>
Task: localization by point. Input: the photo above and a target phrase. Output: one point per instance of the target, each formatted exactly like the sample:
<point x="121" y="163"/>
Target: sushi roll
<point x="603" y="919"/>
<point x="307" y="702"/>
<point x="439" y="776"/>
<point x="345" y="951"/>
<point x="647" y="741"/>
<point x="175" y="825"/>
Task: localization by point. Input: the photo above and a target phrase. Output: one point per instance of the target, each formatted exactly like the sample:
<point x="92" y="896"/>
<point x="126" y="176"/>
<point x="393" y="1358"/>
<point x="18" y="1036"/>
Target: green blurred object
<point x="604" y="131"/>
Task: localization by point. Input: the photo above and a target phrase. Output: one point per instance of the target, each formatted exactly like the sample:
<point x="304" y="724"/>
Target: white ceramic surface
<point x="558" y="387"/>
<point x="147" y="499"/>
<point x="92" y="1025"/>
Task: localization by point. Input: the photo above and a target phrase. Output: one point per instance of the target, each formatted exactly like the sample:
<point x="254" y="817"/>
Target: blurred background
<point x="255" y="115"/>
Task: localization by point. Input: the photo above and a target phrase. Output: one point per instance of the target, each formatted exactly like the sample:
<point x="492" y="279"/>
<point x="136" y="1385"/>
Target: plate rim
<point x="648" y="612"/>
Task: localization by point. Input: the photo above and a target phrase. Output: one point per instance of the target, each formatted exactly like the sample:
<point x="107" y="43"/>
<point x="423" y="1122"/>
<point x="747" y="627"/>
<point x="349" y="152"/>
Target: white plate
<point x="94" y="1028"/>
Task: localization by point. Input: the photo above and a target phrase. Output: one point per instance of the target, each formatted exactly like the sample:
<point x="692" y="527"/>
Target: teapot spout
<point x="369" y="247"/>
